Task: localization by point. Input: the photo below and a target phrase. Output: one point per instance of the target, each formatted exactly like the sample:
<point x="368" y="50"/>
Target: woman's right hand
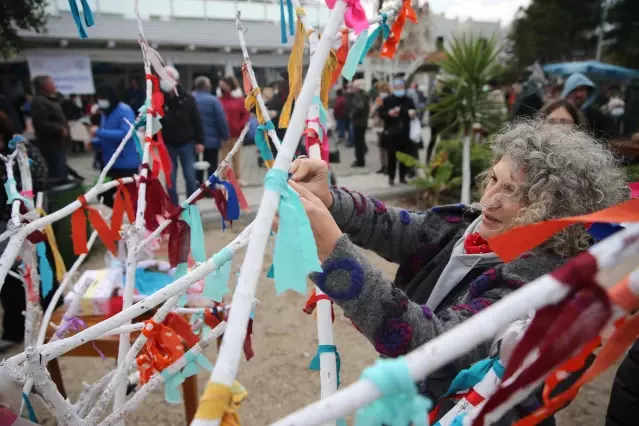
<point x="312" y="174"/>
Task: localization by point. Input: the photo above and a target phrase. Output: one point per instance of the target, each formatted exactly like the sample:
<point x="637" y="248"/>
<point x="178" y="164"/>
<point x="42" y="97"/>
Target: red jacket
<point x="236" y="114"/>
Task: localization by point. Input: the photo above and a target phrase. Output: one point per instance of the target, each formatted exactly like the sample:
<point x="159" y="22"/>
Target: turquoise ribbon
<point x="459" y="420"/>
<point x="322" y="349"/>
<point x="30" y="410"/>
<point x="88" y="16"/>
<point x="291" y="20"/>
<point x="466" y="379"/>
<point x="400" y="403"/>
<point x="323" y="114"/>
<point x="383" y="28"/>
<point x="13" y="194"/>
<point x="191" y="215"/>
<point x="261" y="142"/>
<point x="354" y="56"/>
<point x="15" y="140"/>
<point x="44" y="269"/>
<point x="217" y="287"/>
<point x="173" y="381"/>
<point x="271" y="272"/>
<point x="138" y="143"/>
<point x="295" y="250"/>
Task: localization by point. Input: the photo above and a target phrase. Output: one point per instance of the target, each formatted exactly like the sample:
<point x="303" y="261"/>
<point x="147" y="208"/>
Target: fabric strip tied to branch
<point x="88" y="16"/>
<point x="220" y="402"/>
<point x="392" y="42"/>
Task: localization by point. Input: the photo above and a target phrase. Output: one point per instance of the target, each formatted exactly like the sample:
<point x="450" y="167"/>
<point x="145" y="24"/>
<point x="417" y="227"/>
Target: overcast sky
<point x="480" y="10"/>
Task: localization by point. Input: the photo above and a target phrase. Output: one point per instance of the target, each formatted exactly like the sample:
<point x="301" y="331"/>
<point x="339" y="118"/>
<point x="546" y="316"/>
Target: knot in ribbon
<point x="311" y="303"/>
<point x="250" y="103"/>
<point x="232" y="203"/>
<point x="392" y="41"/>
<point x="70" y="323"/>
<point x="262" y="142"/>
<point x="323" y="349"/>
<point x="15" y="140"/>
<point x="173" y="380"/>
<point x="400" y="403"/>
<point x="295" y="250"/>
<point x="79" y="229"/>
<point x="88" y="16"/>
<point x="355" y="16"/>
<point x="220" y="402"/>
<point x="10" y="187"/>
<point x="163" y="346"/>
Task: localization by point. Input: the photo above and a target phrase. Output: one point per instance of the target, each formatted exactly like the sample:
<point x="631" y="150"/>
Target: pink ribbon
<point x="634" y="189"/>
<point x="311" y="139"/>
<point x="316" y="120"/>
<point x="28" y="194"/>
<point x="355" y="16"/>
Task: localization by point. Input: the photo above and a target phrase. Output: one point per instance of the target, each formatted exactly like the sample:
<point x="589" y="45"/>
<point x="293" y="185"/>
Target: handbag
<point x="415" y="133"/>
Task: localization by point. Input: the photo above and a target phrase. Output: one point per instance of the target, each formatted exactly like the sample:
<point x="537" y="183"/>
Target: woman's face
<point x="224" y="87"/>
<point x="560" y="116"/>
<point x="500" y="206"/>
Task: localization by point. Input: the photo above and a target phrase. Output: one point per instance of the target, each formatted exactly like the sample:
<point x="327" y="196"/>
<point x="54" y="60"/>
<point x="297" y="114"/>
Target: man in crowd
<point x="182" y="133"/>
<point x="135" y="95"/>
<point x="51" y="127"/>
<point x="359" y="119"/>
<point x="581" y="92"/>
<point x="214" y="124"/>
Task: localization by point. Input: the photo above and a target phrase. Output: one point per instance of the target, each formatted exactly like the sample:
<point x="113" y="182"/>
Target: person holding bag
<point x="396" y="112"/>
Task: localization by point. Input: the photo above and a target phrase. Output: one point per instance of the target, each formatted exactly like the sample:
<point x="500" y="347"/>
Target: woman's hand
<point x="325" y="229"/>
<point x="313" y="176"/>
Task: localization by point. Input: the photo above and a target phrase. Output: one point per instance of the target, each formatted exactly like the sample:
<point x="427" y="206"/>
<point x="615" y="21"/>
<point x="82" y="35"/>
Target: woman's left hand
<point x="325" y="229"/>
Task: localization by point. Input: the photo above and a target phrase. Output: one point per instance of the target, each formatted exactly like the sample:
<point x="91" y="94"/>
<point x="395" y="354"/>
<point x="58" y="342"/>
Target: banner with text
<point x="72" y="74"/>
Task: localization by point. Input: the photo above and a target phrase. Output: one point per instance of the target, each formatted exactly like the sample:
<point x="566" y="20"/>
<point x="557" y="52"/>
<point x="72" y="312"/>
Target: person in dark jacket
<point x="624" y="398"/>
<point x="5" y="106"/>
<point x="51" y="127"/>
<point x="106" y="139"/>
<point x="236" y="116"/>
<point x="581" y="91"/>
<point x="340" y="113"/>
<point x="396" y="112"/>
<point x="214" y="124"/>
<point x="182" y="132"/>
<point x="359" y="119"/>
<point x="135" y="95"/>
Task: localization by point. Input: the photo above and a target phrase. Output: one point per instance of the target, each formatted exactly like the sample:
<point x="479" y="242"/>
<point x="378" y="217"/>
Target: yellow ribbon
<point x="294" y="70"/>
<point x="60" y="267"/>
<point x="327" y="77"/>
<point x="220" y="402"/>
<point x="251" y="102"/>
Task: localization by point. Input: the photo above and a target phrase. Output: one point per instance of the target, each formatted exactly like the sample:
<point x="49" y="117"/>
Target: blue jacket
<point x="577" y="80"/>
<point x="112" y="130"/>
<point x="216" y="128"/>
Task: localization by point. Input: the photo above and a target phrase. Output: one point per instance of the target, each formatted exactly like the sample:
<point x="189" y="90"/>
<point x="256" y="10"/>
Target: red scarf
<point x="475" y="244"/>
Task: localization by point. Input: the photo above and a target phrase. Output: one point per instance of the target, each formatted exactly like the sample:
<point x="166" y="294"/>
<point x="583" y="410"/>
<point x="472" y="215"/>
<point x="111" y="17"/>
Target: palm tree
<point x="471" y="64"/>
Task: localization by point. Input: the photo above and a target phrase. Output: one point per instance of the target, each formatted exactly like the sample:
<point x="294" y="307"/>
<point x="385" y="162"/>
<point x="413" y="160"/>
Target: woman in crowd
<point x="107" y="137"/>
<point x="384" y="90"/>
<point x="563" y="112"/>
<point x="447" y="270"/>
<point x="236" y="116"/>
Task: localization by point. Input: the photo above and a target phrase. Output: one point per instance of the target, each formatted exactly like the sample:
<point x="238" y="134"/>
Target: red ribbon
<point x="161" y="158"/>
<point x="342" y="54"/>
<point x="163" y="347"/>
<point x="241" y="199"/>
<point x="121" y="204"/>
<point x="214" y="317"/>
<point x="79" y="229"/>
<point x="158" y="202"/>
<point x="475" y="244"/>
<point x="311" y="303"/>
<point x="390" y="45"/>
<point x="157" y="97"/>
<point x="179" y="242"/>
<point x="182" y="328"/>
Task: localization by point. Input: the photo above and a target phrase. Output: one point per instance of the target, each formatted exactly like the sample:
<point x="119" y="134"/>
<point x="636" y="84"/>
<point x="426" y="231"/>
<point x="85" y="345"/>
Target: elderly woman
<point x="447" y="271"/>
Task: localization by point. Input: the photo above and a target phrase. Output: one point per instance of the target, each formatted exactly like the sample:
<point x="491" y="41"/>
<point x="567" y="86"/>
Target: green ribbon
<point x="261" y="142"/>
<point x="13" y="194"/>
<point x="383" y="28"/>
<point x="295" y="250"/>
<point x="173" y="381"/>
<point x="354" y="56"/>
<point x="217" y="287"/>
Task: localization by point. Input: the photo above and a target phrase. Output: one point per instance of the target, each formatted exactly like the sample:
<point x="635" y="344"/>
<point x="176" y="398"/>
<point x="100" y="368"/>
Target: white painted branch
<point x="90" y="393"/>
<point x="26" y="182"/>
<point x="158" y="379"/>
<point x="616" y="256"/>
<point x="128" y="328"/>
<point x="32" y="297"/>
<point x="225" y="369"/>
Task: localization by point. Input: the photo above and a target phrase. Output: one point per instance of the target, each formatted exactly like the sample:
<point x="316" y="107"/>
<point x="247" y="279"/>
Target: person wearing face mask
<point x="107" y="137"/>
<point x="182" y="132"/>
<point x="447" y="270"/>
<point x="396" y="112"/>
<point x="51" y="127"/>
<point x="581" y="92"/>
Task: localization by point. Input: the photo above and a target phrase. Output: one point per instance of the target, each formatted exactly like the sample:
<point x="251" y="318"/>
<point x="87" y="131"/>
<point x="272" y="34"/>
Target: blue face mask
<point x="399" y="93"/>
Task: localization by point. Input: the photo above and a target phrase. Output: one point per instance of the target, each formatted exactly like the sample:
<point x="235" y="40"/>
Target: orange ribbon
<point x="121" y="204"/>
<point x="79" y="229"/>
<point x="182" y="328"/>
<point x="311" y="303"/>
<point x="246" y="79"/>
<point x="163" y="347"/>
<point x="390" y="45"/>
<point x="342" y="54"/>
<point x="521" y="239"/>
<point x="161" y="158"/>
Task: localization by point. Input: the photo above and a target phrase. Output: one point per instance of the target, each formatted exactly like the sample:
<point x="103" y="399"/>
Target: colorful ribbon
<point x="467" y="379"/>
<point x="262" y="143"/>
<point x="88" y="16"/>
<point x="191" y="216"/>
<point x="30" y="410"/>
<point x="295" y="250"/>
<point x="220" y="402"/>
<point x="13" y="194"/>
<point x="390" y="45"/>
<point x="400" y="403"/>
<point x="241" y="199"/>
<point x="121" y="205"/>
<point x="291" y="19"/>
<point x="60" y="267"/>
<point x="232" y="205"/>
<point x="182" y="327"/>
<point x="161" y="158"/>
<point x="75" y="324"/>
<point x="15" y="140"/>
<point x="372" y="38"/>
<point x="341" y="55"/>
<point x="163" y="347"/>
<point x="295" y="67"/>
<point x="79" y="229"/>
<point x="355" y="16"/>
<point x="354" y="56"/>
<point x="172" y="381"/>
<point x="44" y="269"/>
<point x="217" y="286"/>
<point x="311" y="303"/>
<point x="246" y="78"/>
<point x="327" y="77"/>
<point x="323" y="349"/>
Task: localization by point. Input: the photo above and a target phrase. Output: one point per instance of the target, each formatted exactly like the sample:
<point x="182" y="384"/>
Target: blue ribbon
<point x="459" y="420"/>
<point x="400" y="404"/>
<point x="354" y="56"/>
<point x="217" y="287"/>
<point x="232" y="203"/>
<point x="15" y="140"/>
<point x="466" y="379"/>
<point x="600" y="230"/>
<point x="44" y="269"/>
<point x="322" y="349"/>
<point x="295" y="250"/>
<point x="88" y="16"/>
<point x="30" y="410"/>
<point x="261" y="142"/>
<point x="291" y="20"/>
<point x="383" y="28"/>
<point x="172" y="381"/>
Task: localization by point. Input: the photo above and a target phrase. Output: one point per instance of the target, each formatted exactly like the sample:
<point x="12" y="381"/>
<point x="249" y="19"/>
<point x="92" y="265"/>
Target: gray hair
<point x="202" y="83"/>
<point x="39" y="81"/>
<point x="567" y="173"/>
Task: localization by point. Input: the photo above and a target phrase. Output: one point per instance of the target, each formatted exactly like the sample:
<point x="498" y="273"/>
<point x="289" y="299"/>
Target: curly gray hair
<point x="567" y="173"/>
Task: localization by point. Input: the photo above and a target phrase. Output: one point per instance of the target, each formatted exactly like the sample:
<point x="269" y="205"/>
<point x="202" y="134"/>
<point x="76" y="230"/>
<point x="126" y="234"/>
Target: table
<point x="109" y="347"/>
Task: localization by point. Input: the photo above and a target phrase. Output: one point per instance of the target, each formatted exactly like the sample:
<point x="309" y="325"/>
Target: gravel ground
<point x="277" y="378"/>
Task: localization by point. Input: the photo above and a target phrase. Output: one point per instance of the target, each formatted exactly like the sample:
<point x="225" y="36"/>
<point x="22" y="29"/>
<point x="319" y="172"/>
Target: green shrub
<point x="480" y="156"/>
<point x="632" y="172"/>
